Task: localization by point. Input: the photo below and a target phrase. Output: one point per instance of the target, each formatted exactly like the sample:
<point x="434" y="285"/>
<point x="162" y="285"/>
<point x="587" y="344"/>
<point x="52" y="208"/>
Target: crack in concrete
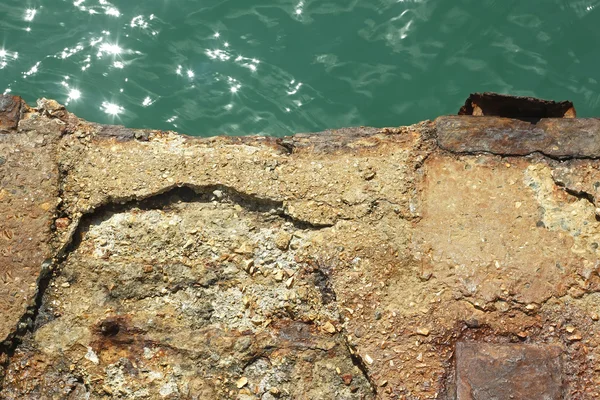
<point x="580" y="194"/>
<point x="361" y="365"/>
<point x="506" y="154"/>
<point x="329" y="295"/>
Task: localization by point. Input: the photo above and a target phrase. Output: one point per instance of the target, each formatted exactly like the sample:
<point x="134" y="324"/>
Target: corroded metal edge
<point x="554" y="137"/>
<point x="10" y="112"/>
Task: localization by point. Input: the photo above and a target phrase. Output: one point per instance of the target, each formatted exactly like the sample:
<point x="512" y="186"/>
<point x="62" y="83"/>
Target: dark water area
<point x="242" y="67"/>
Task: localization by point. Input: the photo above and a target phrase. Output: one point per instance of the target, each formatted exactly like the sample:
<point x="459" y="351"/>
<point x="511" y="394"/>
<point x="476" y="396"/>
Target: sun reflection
<point x="111" y="108"/>
<point x="33" y="70"/>
<point x="218" y="54"/>
<point x="139" y="22"/>
<point x="172" y="120"/>
<point x="147" y="101"/>
<point x="66" y="53"/>
<point x="251" y="64"/>
<point x="234" y="85"/>
<point x="113" y="49"/>
<point x="74" y="94"/>
<point x="3" y="53"/>
<point x="190" y="73"/>
<point x="30" y="14"/>
<point x="87" y="60"/>
<point x="295" y="89"/>
<point x="95" y="41"/>
<point x="112" y="11"/>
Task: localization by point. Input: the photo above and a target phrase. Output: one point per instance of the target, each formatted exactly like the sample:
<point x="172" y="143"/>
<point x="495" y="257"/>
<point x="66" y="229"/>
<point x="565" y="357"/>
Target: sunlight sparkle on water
<point x="3" y="53"/>
<point x="74" y="94"/>
<point x="294" y="90"/>
<point x="139" y="21"/>
<point x="218" y="54"/>
<point x="112" y="11"/>
<point x="33" y="70"/>
<point x="190" y="73"/>
<point x="30" y="14"/>
<point x="109" y="48"/>
<point x="112" y="108"/>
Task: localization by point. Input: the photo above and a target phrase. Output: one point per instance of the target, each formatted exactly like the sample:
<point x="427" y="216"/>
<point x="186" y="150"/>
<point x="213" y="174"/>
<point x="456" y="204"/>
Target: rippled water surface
<point x="210" y="67"/>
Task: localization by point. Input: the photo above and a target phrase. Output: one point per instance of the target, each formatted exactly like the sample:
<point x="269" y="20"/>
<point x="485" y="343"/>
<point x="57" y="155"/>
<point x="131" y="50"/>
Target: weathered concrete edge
<point x="557" y="138"/>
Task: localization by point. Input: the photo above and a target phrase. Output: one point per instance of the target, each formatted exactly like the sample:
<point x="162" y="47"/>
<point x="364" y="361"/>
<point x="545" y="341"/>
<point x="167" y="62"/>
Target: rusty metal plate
<point x="560" y="138"/>
<point x="10" y="110"/>
<point x="508" y="371"/>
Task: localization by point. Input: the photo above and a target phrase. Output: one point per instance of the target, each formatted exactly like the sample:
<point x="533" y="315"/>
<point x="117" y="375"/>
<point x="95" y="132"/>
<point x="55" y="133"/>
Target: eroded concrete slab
<point x="345" y="265"/>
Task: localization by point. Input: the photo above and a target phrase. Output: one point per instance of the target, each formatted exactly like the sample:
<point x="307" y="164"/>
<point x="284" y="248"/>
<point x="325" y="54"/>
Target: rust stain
<point x="10" y="112"/>
<point x="555" y="138"/>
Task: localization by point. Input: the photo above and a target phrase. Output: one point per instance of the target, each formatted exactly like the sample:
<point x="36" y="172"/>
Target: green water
<point x="208" y="67"/>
